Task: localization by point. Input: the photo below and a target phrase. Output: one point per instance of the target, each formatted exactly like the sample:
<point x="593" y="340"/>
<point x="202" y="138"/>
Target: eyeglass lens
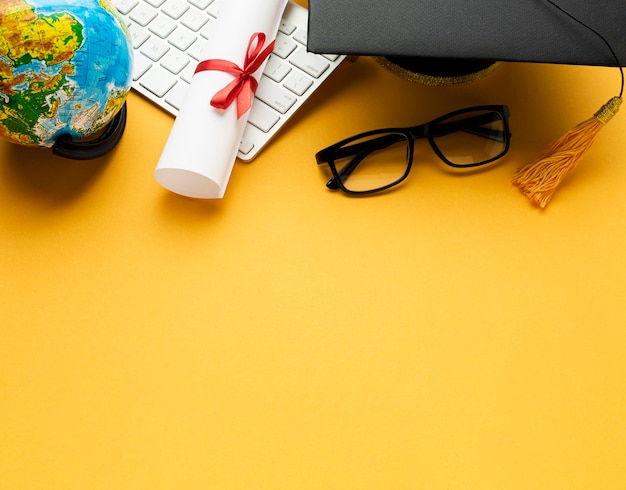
<point x="380" y="162"/>
<point x="473" y="138"/>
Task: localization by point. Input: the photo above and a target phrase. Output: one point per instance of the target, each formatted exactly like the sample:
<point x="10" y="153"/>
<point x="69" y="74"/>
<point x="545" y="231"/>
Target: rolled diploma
<point x="201" y="149"/>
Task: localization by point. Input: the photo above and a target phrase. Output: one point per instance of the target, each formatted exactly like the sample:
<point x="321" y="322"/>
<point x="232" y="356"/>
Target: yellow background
<point x="447" y="335"/>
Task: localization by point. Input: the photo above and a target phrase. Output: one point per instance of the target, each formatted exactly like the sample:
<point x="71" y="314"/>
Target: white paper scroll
<point x="200" y="152"/>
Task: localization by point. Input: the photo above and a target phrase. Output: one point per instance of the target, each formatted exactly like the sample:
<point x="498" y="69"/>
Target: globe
<point x="65" y="69"/>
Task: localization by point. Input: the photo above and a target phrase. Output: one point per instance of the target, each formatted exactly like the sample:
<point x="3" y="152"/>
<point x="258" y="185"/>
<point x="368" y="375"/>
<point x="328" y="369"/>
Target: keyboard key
<point x="201" y="4"/>
<point x="125" y="6"/>
<point x="143" y="14"/>
<point x="174" y="61"/>
<point x="276" y="69"/>
<point x="298" y="83"/>
<point x="309" y="63"/>
<point x="154" y="49"/>
<point x="188" y="72"/>
<point x="284" y="46"/>
<point x="196" y="50"/>
<point x="138" y="36"/>
<point x="141" y="65"/>
<point x="214" y="8"/>
<point x="301" y="36"/>
<point x="182" y="38"/>
<point x="158" y="81"/>
<point x="176" y="96"/>
<point x="275" y="96"/>
<point x="207" y="30"/>
<point x="287" y="27"/>
<point x="262" y="116"/>
<point x="331" y="57"/>
<point x="246" y="146"/>
<point x="174" y="8"/>
<point x="162" y="26"/>
<point x="194" y="19"/>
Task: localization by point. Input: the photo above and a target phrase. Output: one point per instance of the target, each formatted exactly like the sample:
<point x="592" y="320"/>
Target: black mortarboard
<point x="577" y="32"/>
<point x="498" y="30"/>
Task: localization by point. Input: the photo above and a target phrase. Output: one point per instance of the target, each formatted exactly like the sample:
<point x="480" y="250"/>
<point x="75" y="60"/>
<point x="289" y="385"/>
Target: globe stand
<point x="65" y="147"/>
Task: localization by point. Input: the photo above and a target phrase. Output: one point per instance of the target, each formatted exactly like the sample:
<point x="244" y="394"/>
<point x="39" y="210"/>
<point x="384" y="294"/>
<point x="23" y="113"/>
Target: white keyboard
<point x="168" y="38"/>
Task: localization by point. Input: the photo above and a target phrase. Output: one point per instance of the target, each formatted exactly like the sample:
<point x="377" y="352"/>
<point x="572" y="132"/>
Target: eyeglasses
<point x="377" y="160"/>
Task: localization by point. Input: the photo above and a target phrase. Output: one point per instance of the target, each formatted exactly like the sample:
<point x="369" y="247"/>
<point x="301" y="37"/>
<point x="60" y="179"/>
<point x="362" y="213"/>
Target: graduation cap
<point x="466" y="34"/>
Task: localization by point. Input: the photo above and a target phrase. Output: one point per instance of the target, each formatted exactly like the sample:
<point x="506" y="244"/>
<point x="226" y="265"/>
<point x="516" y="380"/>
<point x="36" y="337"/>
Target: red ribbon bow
<point x="244" y="86"/>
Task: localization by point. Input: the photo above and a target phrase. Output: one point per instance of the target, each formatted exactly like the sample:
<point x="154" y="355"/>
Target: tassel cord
<point x="600" y="36"/>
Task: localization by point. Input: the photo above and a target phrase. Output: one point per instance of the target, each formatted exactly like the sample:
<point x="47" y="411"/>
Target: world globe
<point x="65" y="69"/>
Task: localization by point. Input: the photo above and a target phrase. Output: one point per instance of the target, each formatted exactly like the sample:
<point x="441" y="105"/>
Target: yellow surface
<point x="447" y="335"/>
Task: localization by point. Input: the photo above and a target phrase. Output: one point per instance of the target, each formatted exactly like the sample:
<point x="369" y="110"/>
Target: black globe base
<point x="66" y="147"/>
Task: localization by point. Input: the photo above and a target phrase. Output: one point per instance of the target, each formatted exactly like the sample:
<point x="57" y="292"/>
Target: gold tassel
<point x="539" y="179"/>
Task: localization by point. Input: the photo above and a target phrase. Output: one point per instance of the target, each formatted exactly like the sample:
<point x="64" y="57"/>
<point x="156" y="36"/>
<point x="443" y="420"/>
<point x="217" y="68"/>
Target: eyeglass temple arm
<point x="472" y="125"/>
<point x="492" y="134"/>
<point x="379" y="143"/>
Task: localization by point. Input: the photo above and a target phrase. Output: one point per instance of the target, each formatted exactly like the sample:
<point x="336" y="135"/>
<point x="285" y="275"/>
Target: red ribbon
<point x="244" y="86"/>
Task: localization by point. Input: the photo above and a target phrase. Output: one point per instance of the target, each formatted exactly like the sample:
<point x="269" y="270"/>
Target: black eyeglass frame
<point x="428" y="130"/>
